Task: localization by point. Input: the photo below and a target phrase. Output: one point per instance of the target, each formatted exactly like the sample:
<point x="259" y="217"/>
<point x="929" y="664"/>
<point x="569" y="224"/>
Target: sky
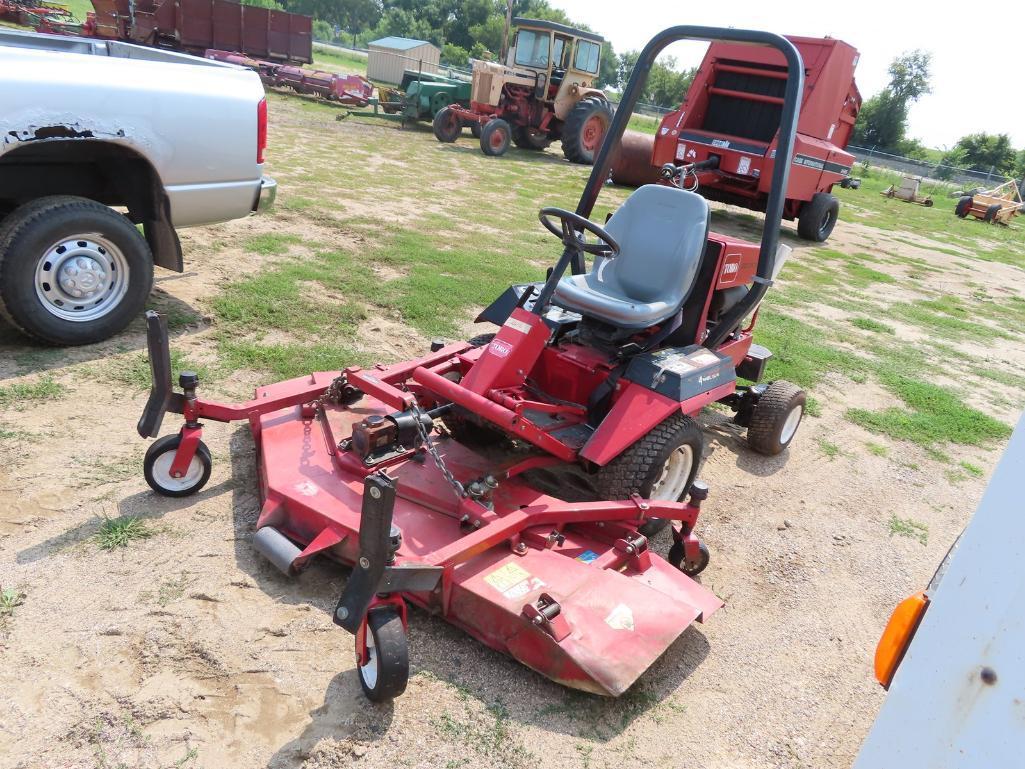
<point x="978" y="77"/>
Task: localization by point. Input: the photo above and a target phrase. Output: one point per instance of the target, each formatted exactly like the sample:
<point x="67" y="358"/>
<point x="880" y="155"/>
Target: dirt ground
<point x="187" y="649"/>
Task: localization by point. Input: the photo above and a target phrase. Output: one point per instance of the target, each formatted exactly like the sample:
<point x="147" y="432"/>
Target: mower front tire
<point x="447" y="126"/>
<point x="776" y="417"/>
<point x="818" y="217"/>
<point x="156" y="468"/>
<point x="678" y="559"/>
<point x="661" y="465"/>
<point x="386" y="673"/>
<point x="495" y="137"/>
<point x="585" y="129"/>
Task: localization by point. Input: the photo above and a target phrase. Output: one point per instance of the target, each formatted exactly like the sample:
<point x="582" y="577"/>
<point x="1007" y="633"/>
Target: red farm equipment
<point x="731" y="112"/>
<point x="349" y="90"/>
<point x="454" y="480"/>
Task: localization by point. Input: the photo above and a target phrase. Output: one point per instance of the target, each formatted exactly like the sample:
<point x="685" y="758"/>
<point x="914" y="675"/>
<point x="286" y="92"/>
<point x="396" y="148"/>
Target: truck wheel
<point x="661" y="465"/>
<point x="495" y="137"/>
<point x="585" y="129"/>
<point x="447" y="126"/>
<point x="963" y="206"/>
<point x="527" y="138"/>
<point x="776" y="417"/>
<point x="72" y="271"/>
<point x="818" y="217"/>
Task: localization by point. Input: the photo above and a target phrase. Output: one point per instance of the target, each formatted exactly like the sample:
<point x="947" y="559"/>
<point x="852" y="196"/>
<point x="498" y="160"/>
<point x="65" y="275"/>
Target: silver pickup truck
<point x="105" y="150"/>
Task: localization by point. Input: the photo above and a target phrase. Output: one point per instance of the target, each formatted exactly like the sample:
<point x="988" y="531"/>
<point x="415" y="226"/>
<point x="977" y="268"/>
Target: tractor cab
<point x="560" y="57"/>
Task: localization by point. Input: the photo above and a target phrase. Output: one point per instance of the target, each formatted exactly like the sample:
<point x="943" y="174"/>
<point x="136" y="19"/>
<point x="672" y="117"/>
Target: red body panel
<point x="622" y="611"/>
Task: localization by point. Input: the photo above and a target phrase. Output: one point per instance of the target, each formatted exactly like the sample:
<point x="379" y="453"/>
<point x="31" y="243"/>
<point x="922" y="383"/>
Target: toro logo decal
<point x="730" y="269"/>
<point x="500" y="348"/>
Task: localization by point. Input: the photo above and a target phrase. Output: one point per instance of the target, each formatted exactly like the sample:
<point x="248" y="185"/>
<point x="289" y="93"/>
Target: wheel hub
<point x="672" y="483"/>
<point x="81" y="278"/>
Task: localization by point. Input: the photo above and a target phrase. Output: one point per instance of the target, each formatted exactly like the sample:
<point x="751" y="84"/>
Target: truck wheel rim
<point x="369" y="671"/>
<point x="790" y="425"/>
<point x="592" y="134"/>
<point x="672" y="482"/>
<point x="81" y="278"/>
<point x="162" y="472"/>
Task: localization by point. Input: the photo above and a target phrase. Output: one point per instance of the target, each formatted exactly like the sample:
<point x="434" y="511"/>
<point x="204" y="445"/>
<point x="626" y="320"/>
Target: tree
<point x="984" y="152"/>
<point x="666" y="86"/>
<point x="883" y="119"/>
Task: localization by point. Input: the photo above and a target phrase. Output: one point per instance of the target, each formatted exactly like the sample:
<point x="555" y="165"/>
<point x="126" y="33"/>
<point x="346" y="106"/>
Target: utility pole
<point x="505" y="32"/>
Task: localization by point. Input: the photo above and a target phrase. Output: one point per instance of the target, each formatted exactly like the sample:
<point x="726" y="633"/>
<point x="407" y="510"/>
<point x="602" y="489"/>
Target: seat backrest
<point x="661" y="233"/>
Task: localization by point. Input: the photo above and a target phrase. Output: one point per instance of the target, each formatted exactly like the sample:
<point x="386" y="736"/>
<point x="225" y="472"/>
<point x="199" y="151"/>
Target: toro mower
<point x="429" y="476"/>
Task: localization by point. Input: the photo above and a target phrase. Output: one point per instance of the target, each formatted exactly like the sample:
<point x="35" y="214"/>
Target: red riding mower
<point x="417" y="474"/>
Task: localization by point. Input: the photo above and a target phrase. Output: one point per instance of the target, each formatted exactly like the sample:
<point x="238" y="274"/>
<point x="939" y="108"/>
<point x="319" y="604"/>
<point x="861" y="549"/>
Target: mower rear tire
<point x="527" y="138"/>
<point x="495" y="137"/>
<point x="662" y="465"/>
<point x="386" y="673"/>
<point x="585" y="129"/>
<point x="677" y="559"/>
<point x="447" y="126"/>
<point x="156" y="468"/>
<point x="818" y="217"/>
<point x="963" y="206"/>
<point x="776" y="417"/>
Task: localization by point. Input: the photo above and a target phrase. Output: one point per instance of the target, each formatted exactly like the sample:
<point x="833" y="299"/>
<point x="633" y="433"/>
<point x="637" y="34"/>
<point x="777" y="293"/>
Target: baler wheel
<point x="447" y="126"/>
<point x="585" y="129"/>
<point x="776" y="417"/>
<point x="676" y="558"/>
<point x="386" y="673"/>
<point x="495" y="137"/>
<point x="156" y="468"/>
<point x="963" y="206"/>
<point x="818" y="217"/>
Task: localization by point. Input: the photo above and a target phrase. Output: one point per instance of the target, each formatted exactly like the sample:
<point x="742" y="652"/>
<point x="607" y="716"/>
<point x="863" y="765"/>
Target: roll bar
<point x="780" y="171"/>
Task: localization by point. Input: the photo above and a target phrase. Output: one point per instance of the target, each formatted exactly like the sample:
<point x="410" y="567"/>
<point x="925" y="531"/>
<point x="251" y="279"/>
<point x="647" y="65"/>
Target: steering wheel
<point x="570" y="235"/>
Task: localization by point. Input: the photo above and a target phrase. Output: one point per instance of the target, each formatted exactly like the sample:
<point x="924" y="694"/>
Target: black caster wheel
<point x="676" y="558"/>
<point x="386" y="673"/>
<point x="157" y="468"/>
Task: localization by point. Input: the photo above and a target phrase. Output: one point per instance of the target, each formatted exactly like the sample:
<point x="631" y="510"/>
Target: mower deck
<point x="313" y="493"/>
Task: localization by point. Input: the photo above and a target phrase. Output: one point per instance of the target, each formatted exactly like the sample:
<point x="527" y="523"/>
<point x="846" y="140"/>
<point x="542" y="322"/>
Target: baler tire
<point x="28" y="234"/>
<point x="572" y="132"/>
<point x="991" y="213"/>
<point x="770" y="431"/>
<point x="637" y="469"/>
<point x="818" y="217"/>
<point x="963" y="206"/>
<point x="447" y="126"/>
<point x="495" y="137"/>
<point x="173" y="487"/>
<point x="386" y="674"/>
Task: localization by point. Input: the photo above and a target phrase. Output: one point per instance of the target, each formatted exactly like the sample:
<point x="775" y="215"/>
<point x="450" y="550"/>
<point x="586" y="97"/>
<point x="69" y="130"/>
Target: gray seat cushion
<point x="661" y="233"/>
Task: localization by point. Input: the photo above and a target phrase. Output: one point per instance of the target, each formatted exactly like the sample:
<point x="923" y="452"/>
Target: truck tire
<point x="963" y="206"/>
<point x="527" y="138"/>
<point x="818" y="217"/>
<point x="72" y="271"/>
<point x="585" y="129"/>
<point x="447" y="126"/>
<point x="495" y="137"/>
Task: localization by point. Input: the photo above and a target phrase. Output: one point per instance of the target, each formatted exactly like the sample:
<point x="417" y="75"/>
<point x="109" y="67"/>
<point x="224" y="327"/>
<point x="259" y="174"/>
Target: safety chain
<point x="433" y="450"/>
<point x="333" y="393"/>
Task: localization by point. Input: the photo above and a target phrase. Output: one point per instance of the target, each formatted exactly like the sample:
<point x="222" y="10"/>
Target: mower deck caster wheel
<point x="157" y="468"/>
<point x="676" y="558"/>
<point x="386" y="673"/>
<point x="776" y="417"/>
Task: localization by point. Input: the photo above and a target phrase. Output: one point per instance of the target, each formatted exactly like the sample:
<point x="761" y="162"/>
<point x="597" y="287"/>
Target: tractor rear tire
<point x="991" y="213"/>
<point x="818" y="217"/>
<point x="585" y="129"/>
<point x="526" y="140"/>
<point x="963" y="206"/>
<point x="646" y="467"/>
<point x="495" y="137"/>
<point x="447" y="126"/>
<point x="776" y="417"/>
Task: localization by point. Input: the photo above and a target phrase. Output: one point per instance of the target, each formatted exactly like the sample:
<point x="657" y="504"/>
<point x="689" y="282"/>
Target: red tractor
<point x="731" y="112"/>
<point x="546" y="92"/>
<point x="454" y="480"/>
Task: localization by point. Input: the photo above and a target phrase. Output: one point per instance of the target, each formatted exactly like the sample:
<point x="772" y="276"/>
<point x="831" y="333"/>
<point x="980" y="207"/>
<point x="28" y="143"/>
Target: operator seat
<point x="661" y="232"/>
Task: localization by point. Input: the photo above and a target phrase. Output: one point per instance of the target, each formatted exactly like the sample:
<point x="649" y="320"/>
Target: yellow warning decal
<point x="505" y="577"/>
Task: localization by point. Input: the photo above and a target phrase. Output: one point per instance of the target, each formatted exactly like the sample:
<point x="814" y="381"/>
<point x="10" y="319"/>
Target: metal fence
<point x="932" y="171"/>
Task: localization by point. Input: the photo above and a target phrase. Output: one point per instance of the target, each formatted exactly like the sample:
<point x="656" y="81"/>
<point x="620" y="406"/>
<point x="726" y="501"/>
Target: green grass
<point x="877" y="449"/>
<point x="868" y="324"/>
<point x="973" y="470"/>
<point x="10" y="599"/>
<point x="24" y="393"/>
<point x="831" y="450"/>
<point x="341" y="61"/>
<point x="122" y="531"/>
<point x="134" y="371"/>
<point x="908" y="527"/>
<point x="643" y="123"/>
